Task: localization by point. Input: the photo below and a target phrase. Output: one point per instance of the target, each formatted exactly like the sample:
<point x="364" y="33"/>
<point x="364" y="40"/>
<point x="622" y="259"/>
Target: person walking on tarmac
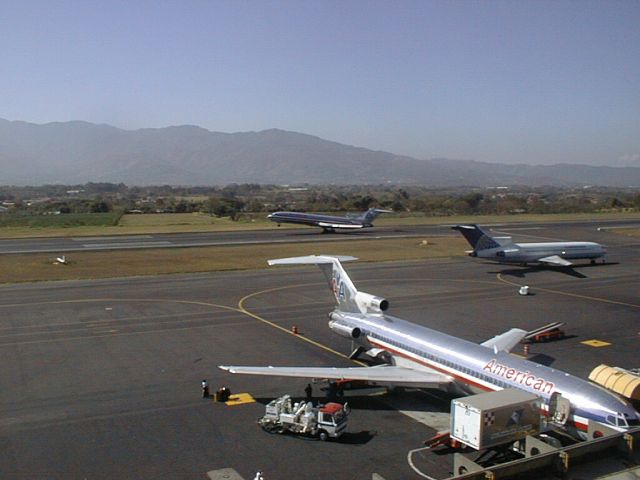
<point x="205" y="388"/>
<point x="308" y="392"/>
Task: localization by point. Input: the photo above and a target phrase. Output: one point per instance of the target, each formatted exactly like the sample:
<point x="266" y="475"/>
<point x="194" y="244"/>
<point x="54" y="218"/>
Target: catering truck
<point x="495" y="418"/>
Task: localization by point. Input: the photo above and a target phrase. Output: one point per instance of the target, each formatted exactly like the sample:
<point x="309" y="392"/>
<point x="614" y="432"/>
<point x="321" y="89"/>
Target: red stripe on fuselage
<point x="438" y="369"/>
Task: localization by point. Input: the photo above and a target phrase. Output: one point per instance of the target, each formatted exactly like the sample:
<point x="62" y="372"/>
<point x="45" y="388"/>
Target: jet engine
<point x="344" y="330"/>
<point x="371" y="303"/>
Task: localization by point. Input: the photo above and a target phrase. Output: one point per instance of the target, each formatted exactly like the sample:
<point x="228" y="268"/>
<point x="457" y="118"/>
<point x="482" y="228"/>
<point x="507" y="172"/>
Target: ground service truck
<point x="323" y="421"/>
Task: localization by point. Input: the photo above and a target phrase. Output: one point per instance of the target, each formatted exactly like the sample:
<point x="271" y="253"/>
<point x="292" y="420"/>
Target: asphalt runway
<point x="277" y="235"/>
<point x="101" y="379"/>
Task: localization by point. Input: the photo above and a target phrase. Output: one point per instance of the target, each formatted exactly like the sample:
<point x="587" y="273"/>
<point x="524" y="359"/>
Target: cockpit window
<point x="621" y="420"/>
<point x="631" y="420"/>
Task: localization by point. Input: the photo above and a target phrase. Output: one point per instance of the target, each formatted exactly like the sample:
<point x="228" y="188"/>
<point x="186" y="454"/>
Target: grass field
<point x="193" y="222"/>
<point x="137" y="224"/>
<point x="87" y="265"/>
<point x="488" y="219"/>
<point x="99" y="224"/>
<point x="59" y="221"/>
<point x="628" y="232"/>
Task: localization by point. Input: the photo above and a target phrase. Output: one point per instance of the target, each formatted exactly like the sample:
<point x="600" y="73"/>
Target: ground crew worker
<point x="308" y="392"/>
<point x="205" y="388"/>
<point x="225" y="393"/>
<point x="332" y="392"/>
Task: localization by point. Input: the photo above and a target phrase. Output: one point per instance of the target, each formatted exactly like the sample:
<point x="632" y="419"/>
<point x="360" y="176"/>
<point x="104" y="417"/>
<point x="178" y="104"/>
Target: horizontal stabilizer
<point x="340" y="285"/>
<point x="555" y="260"/>
<point x="385" y="374"/>
<point x="505" y="341"/>
<point x="310" y="260"/>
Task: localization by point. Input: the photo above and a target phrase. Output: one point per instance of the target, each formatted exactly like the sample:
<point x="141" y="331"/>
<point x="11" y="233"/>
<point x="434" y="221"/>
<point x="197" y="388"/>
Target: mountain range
<point x="79" y="152"/>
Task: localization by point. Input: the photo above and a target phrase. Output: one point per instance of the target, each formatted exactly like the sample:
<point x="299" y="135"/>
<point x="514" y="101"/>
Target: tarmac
<point x="101" y="379"/>
<point x="62" y="245"/>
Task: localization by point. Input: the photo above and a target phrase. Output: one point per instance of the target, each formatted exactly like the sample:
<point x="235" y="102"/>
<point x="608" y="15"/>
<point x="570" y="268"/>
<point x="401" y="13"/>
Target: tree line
<point x="238" y="199"/>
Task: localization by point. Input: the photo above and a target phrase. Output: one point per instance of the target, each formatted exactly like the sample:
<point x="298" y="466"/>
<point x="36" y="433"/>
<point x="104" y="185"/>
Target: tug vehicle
<point x="546" y="333"/>
<point x="323" y="421"/>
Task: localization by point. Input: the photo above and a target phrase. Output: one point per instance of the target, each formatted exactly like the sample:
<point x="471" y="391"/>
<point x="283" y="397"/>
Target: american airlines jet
<point x="418" y="356"/>
<point x="503" y="250"/>
<point x="328" y="223"/>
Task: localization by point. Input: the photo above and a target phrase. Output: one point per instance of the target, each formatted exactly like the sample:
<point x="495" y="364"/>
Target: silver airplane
<point x="418" y="356"/>
<point x="503" y="250"/>
<point x="328" y="223"/>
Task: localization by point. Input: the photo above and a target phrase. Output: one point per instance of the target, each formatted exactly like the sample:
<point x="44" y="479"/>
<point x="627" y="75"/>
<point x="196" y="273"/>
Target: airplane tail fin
<point x="370" y="215"/>
<point x="477" y="238"/>
<point x="348" y="298"/>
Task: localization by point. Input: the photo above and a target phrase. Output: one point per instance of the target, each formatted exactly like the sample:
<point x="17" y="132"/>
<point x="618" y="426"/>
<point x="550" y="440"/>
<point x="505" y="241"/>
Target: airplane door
<point x="559" y="409"/>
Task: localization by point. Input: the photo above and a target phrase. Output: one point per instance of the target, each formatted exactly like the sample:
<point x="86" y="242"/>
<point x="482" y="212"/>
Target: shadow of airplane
<point x="521" y="272"/>
<point x="317" y="231"/>
<point x="542" y="359"/>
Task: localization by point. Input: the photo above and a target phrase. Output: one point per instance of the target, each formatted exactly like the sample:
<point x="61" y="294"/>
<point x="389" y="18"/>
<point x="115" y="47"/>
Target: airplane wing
<point x="505" y="341"/>
<point x="338" y="225"/>
<point x="555" y="260"/>
<point x="386" y="374"/>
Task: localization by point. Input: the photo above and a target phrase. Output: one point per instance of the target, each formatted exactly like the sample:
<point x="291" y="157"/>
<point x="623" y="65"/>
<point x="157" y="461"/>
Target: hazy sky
<point x="506" y="81"/>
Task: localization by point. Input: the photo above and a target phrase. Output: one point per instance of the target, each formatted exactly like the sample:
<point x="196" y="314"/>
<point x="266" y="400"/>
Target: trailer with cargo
<point x="495" y="418"/>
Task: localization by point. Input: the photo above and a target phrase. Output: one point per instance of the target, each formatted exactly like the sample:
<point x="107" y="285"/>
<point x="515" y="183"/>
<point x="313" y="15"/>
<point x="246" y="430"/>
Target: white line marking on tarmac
<point x="413" y="467"/>
<point x="106" y="239"/>
<point x="524" y="228"/>
<point x="98" y="246"/>
<point x="614" y="227"/>
<point x="102" y="332"/>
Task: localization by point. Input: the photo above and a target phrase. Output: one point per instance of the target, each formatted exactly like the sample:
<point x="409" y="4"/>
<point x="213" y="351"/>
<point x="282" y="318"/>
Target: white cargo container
<point x="495" y="418"/>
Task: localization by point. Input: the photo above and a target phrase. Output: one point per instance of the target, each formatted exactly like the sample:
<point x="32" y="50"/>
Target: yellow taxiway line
<point x="102" y="334"/>
<point x="242" y="308"/>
